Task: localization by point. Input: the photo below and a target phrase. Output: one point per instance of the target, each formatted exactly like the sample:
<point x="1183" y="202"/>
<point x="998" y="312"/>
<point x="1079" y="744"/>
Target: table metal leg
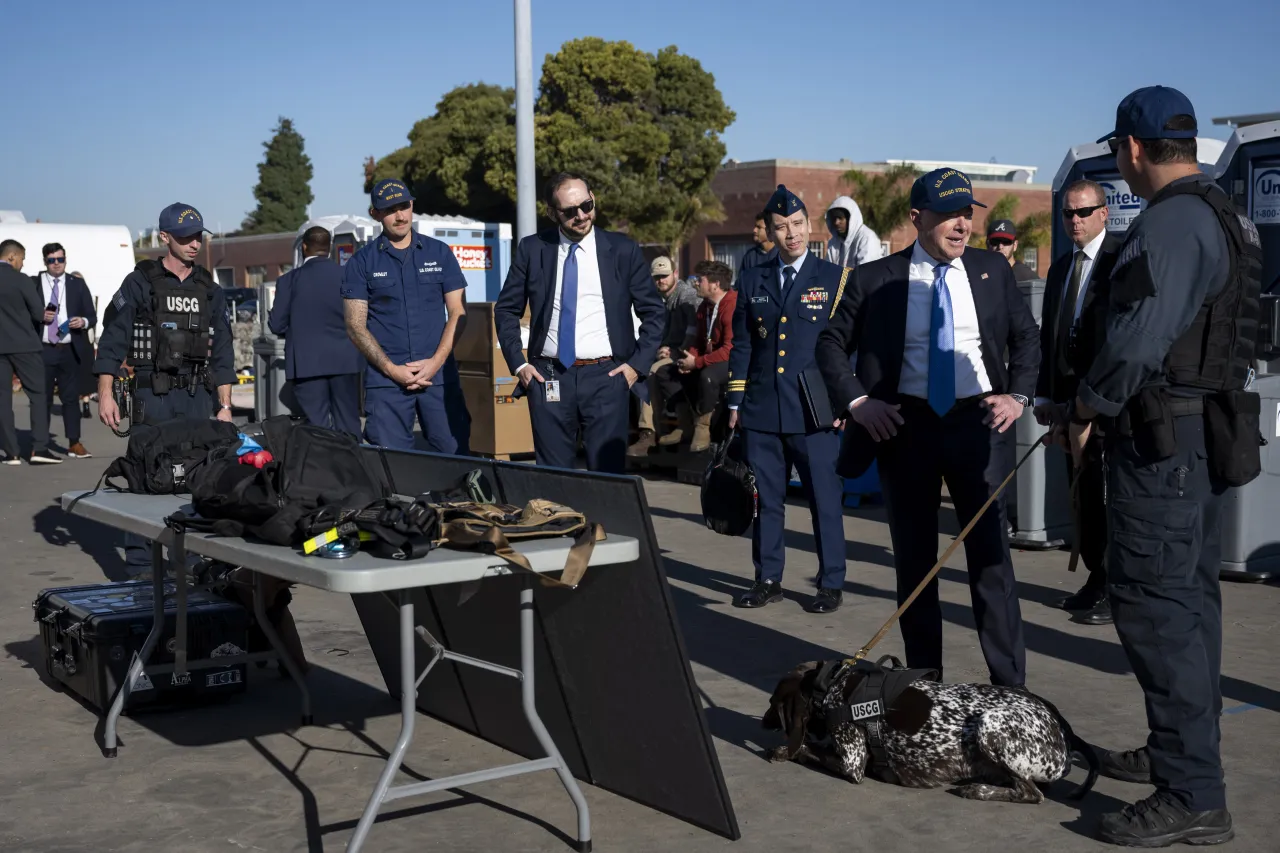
<point x="260" y="612"/>
<point x="143" y="655"/>
<point x="408" y="710"/>
<point x="408" y="715"/>
<point x="535" y="722"/>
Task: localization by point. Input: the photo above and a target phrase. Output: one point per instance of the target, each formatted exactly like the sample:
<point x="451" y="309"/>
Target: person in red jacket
<point x="701" y="371"/>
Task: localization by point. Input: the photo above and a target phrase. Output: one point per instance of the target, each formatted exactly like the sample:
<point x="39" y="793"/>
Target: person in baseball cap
<point x="181" y="220"/>
<point x="943" y="191"/>
<point x="388" y="193"/>
<point x="1002" y="237"/>
<point x="661" y="267"/>
<point x="1150" y="113"/>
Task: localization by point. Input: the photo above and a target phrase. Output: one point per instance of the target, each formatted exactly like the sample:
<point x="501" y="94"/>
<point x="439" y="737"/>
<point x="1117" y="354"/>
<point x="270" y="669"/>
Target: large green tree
<point x="884" y="197"/>
<point x="643" y="129"/>
<point x="284" y="184"/>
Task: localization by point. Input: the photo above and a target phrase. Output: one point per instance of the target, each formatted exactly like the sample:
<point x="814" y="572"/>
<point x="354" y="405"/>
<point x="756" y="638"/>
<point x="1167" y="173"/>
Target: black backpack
<point x="160" y="457"/>
<point x="311" y="468"/>
<point x="730" y="501"/>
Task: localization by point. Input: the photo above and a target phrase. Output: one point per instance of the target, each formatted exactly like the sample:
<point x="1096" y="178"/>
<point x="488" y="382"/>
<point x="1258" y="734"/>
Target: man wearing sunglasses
<point x="1002" y="237"/>
<point x="1072" y="327"/>
<point x="68" y="317"/>
<point x="1169" y="383"/>
<point x="581" y="285"/>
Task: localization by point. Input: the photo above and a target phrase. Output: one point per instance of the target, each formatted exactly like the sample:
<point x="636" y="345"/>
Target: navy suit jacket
<point x="871" y="320"/>
<point x="307" y="313"/>
<point x="79" y="302"/>
<point x="625" y="282"/>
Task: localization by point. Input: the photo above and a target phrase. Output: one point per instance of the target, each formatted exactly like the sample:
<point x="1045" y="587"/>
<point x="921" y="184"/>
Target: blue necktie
<point x="942" y="346"/>
<point x="565" y="335"/>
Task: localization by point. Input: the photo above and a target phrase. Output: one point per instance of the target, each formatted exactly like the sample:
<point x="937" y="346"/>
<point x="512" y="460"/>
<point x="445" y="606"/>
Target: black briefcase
<point x="90" y="635"/>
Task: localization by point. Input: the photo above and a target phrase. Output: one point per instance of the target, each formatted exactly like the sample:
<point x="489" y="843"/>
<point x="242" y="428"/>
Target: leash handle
<point x="946" y="555"/>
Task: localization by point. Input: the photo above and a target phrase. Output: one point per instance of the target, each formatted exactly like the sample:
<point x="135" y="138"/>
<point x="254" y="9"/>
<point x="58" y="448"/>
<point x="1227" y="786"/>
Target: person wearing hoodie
<point x="852" y="242"/>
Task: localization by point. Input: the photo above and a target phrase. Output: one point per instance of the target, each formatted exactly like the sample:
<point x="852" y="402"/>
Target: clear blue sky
<point x="117" y="109"/>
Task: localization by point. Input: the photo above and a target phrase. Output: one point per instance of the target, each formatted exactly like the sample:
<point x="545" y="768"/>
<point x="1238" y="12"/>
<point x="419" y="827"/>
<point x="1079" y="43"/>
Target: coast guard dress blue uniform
<point x="405" y="290"/>
<point x="781" y="309"/>
<point x="319" y="358"/>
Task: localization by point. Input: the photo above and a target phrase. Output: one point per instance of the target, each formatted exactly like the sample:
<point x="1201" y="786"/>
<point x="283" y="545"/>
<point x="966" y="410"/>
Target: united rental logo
<point x="1120" y="199"/>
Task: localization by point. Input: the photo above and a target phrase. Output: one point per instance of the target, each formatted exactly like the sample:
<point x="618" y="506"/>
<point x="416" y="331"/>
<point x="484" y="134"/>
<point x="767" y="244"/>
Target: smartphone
<point x="52" y="306"/>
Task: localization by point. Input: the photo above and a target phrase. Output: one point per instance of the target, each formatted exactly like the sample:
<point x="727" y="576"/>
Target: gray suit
<point x="21" y="314"/>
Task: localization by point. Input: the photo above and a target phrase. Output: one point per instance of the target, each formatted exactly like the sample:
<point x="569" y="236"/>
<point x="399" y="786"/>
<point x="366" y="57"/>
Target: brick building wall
<point x="744" y="188"/>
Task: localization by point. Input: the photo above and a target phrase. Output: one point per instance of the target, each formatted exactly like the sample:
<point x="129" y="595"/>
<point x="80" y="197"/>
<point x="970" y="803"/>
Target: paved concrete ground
<point x="242" y="776"/>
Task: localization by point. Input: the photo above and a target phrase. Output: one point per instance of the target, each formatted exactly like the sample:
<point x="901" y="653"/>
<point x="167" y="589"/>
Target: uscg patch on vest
<point x="865" y="710"/>
<point x="1250" y="230"/>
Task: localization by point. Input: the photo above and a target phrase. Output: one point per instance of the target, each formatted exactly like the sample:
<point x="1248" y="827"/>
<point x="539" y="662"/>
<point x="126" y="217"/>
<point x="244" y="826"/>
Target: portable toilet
<point x="483" y="250"/>
<point x="1249" y="172"/>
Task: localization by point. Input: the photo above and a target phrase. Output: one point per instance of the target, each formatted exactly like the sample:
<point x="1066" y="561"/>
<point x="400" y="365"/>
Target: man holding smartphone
<point x="68" y="317"/>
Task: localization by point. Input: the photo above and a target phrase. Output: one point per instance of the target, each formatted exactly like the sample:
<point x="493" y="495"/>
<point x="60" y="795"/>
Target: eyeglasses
<point x="1082" y="212"/>
<point x="61" y="260"/>
<point x="571" y="212"/>
<point x="996" y="242"/>
<point x="1114" y="143"/>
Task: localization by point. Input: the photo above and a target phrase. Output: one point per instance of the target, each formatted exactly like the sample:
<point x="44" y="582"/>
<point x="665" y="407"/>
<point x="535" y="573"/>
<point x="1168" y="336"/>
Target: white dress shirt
<point x="591" y="332"/>
<point x="971" y="373"/>
<point x="1091" y="250"/>
<point x="795" y="265"/>
<point x="62" y="307"/>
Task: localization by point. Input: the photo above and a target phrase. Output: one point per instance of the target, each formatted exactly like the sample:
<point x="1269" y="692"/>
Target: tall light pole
<point x="526" y="193"/>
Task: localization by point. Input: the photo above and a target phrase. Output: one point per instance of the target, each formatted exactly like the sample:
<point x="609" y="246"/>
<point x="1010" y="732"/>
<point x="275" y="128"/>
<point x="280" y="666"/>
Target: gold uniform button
<point x="782" y="352"/>
<point x="784" y="319"/>
<point x="782" y="337"/>
<point x="781" y="369"/>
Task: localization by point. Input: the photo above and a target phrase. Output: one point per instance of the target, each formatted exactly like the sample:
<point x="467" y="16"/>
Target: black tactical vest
<point x="870" y="691"/>
<point x="173" y="333"/>
<point x="1217" y="352"/>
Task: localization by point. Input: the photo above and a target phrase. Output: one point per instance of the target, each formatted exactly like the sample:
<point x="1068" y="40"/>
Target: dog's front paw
<point x="779" y="753"/>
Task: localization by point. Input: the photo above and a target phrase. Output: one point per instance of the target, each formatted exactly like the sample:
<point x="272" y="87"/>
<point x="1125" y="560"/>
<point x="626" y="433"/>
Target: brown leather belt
<point x="583" y="362"/>
<point x="57" y="346"/>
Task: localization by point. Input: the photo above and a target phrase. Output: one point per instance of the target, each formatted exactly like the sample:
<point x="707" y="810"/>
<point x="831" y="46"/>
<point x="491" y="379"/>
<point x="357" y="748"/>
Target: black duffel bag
<point x="730" y="501"/>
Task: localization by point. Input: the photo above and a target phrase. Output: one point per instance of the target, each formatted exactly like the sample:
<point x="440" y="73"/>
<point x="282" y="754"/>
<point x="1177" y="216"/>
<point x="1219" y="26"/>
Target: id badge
<point x="553" y="390"/>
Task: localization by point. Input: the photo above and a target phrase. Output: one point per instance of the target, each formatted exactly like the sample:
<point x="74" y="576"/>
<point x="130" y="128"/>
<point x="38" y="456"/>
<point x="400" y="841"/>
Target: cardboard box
<point x="499" y="421"/>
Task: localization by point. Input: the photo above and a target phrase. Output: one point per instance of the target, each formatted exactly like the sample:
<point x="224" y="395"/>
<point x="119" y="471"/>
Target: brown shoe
<point x="684" y="416"/>
<point x="643" y="444"/>
<point x="77" y="451"/>
<point x="701" y="434"/>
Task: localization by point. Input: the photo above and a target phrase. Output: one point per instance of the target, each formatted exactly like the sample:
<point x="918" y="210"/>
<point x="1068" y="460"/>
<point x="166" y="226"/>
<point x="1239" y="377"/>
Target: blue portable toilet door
<point x="1252" y="179"/>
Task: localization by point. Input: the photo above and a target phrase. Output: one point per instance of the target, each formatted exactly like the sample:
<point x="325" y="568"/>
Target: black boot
<point x="1132" y="765"/>
<point x="1161" y="820"/>
<point x="1089" y="597"/>
<point x="1098" y="615"/>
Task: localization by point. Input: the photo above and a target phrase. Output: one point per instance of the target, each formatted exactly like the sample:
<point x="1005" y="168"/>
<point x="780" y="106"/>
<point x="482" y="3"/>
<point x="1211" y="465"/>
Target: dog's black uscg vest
<point x="870" y="698"/>
<point x="173" y="333"/>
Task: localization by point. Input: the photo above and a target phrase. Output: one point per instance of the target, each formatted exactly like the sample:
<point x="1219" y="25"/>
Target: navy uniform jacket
<point x="774" y="335"/>
<point x="405" y="290"/>
<point x="1177" y="249"/>
<point x="79" y="303"/>
<point x="307" y="312"/>
<point x="135" y="295"/>
<point x="625" y="282"/>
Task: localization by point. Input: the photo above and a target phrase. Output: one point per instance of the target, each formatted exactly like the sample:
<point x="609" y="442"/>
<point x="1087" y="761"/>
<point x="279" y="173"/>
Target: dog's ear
<point x="783" y="695"/>
<point x="910" y="711"/>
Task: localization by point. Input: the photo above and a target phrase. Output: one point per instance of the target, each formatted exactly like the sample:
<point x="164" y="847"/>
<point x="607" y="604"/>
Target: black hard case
<point x="91" y="633"/>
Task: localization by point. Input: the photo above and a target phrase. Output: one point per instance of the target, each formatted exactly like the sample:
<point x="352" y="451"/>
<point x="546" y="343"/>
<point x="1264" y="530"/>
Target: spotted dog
<point x="998" y="744"/>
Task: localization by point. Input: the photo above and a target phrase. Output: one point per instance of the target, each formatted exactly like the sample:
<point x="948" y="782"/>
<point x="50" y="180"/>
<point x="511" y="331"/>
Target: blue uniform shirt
<point x="405" y="290"/>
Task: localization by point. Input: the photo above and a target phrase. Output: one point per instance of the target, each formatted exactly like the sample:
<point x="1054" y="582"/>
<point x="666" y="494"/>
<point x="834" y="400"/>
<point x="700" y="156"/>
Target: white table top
<point x="361" y="572"/>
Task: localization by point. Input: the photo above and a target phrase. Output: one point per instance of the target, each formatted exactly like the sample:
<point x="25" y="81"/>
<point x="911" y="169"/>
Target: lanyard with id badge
<point x="552" y="387"/>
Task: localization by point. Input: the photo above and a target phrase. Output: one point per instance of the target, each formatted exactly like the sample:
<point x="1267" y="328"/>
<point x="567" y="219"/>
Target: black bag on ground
<point x="729" y="497"/>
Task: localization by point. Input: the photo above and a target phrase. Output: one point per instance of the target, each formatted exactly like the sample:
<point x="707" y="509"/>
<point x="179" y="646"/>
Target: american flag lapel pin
<point x="984" y="275"/>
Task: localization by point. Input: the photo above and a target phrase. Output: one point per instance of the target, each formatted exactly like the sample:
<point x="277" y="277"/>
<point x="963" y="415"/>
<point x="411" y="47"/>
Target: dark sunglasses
<point x="61" y="260"/>
<point x="999" y="242"/>
<point x="570" y="212"/>
<point x="1082" y="212"/>
<point x="1114" y="143"/>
